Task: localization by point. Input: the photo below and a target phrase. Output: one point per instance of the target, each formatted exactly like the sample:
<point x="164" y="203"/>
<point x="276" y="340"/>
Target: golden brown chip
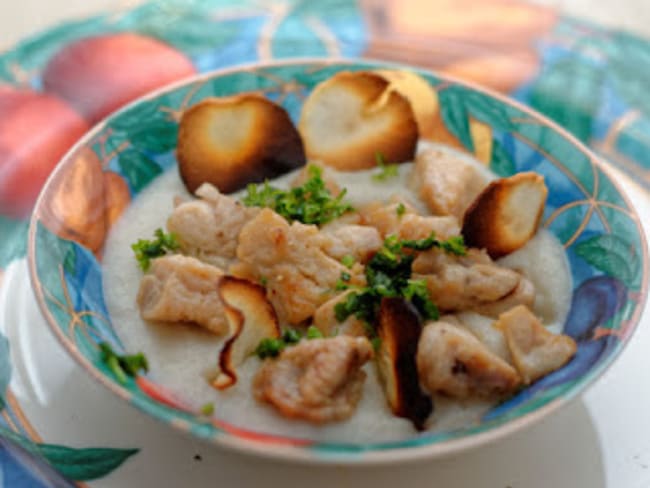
<point x="251" y="318"/>
<point x="506" y="214"/>
<point x="232" y="141"/>
<point x="351" y="117"/>
<point x="399" y="330"/>
<point x="420" y="95"/>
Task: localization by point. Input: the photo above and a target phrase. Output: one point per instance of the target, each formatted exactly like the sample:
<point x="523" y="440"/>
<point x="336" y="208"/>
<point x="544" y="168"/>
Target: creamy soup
<point x="181" y="355"/>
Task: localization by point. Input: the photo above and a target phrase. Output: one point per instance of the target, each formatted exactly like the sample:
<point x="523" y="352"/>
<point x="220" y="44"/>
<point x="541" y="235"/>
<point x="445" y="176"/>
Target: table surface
<point x="600" y="440"/>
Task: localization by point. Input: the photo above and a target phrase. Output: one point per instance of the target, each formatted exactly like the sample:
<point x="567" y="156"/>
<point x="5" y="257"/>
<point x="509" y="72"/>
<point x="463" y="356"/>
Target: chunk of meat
<point x="485" y="330"/>
<point x="409" y="225"/>
<point x="448" y="184"/>
<point x="451" y="361"/>
<point x="207" y="228"/>
<point x="359" y="241"/>
<point x="472" y="282"/>
<point x="325" y="319"/>
<point x="318" y="380"/>
<point x="299" y="275"/>
<point x="535" y="351"/>
<point x="182" y="289"/>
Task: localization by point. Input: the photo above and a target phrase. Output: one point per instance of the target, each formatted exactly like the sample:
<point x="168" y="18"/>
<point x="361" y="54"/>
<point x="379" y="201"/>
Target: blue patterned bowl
<point x="117" y="159"/>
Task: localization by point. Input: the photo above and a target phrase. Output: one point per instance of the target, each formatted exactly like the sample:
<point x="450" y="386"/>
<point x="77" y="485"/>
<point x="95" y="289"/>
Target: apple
<point x="36" y="130"/>
<point x="97" y="75"/>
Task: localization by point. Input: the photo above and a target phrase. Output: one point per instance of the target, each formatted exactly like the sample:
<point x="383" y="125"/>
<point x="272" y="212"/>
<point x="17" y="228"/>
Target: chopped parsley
<point x="310" y="203"/>
<point x="269" y="347"/>
<point x="341" y="285"/>
<point x="145" y="250"/>
<point x="347" y="261"/>
<point x="401" y="209"/>
<point x="386" y="170"/>
<point x="207" y="409"/>
<point x="453" y="245"/>
<point x="314" y="332"/>
<point x="388" y="274"/>
<point x="291" y="336"/>
<point x="343" y="282"/>
<point x="272" y="347"/>
<point x="123" y="366"/>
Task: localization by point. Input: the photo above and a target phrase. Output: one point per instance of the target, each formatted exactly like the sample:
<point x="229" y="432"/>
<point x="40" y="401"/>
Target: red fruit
<point x="36" y="130"/>
<point x="97" y="75"/>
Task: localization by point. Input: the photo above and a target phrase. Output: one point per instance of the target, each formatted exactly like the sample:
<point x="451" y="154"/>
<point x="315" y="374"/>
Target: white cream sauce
<point x="180" y="355"/>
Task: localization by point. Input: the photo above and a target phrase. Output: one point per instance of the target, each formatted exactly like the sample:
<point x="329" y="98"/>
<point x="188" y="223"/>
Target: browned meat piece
<point x="472" y="282"/>
<point x="448" y="184"/>
<point x="453" y="362"/>
<point x="349" y="218"/>
<point x="359" y="241"/>
<point x="387" y="220"/>
<point x="299" y="275"/>
<point x="485" y="330"/>
<point x="535" y="351"/>
<point x="325" y="319"/>
<point x="303" y="175"/>
<point x="318" y="380"/>
<point x="523" y="294"/>
<point x="207" y="228"/>
<point x="182" y="289"/>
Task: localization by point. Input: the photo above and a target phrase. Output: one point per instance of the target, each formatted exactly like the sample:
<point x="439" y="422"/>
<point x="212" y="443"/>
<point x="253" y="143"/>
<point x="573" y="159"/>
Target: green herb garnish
<point x="272" y="347"/>
<point x="453" y="245"/>
<point x="388" y="274"/>
<point x="376" y="343"/>
<point x="291" y="336"/>
<point x="264" y="281"/>
<point x="314" y="332"/>
<point x="207" y="409"/>
<point x="269" y="347"/>
<point x="401" y="209"/>
<point x="123" y="366"/>
<point x="145" y="250"/>
<point x="386" y="170"/>
<point x="348" y="261"/>
<point x="343" y="282"/>
<point x="310" y="203"/>
<point x="341" y="285"/>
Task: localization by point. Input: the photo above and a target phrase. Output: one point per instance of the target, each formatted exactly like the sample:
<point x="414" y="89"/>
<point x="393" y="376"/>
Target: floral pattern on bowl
<point x="115" y="161"/>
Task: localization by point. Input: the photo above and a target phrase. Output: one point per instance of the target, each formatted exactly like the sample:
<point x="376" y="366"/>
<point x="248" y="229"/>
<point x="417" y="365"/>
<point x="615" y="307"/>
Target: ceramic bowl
<point x="107" y="169"/>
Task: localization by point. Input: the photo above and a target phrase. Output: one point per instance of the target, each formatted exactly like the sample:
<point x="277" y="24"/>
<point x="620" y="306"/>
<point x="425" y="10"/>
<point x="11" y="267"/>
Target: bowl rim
<point x="371" y="453"/>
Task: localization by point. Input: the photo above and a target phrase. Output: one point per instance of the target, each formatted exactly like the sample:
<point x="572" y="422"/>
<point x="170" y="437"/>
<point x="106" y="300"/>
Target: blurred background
<point x="18" y="19"/>
<point x="584" y="63"/>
